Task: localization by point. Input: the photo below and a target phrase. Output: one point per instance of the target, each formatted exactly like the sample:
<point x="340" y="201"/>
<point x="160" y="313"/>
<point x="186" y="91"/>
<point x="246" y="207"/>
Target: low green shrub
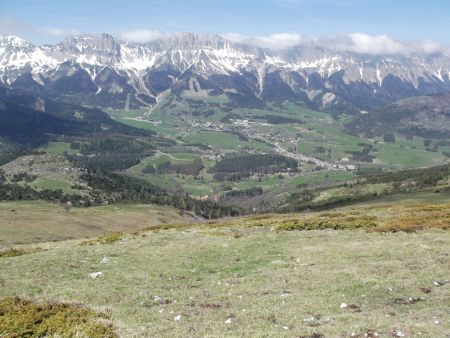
<point x="14" y="252"/>
<point x="106" y="239"/>
<point x="24" y="318"/>
<point x="335" y="222"/>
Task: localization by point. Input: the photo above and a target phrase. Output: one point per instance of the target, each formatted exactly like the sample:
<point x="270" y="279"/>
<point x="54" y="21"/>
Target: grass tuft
<point x="335" y="221"/>
<point x="24" y="318"/>
<point x="106" y="239"/>
<point x="14" y="252"/>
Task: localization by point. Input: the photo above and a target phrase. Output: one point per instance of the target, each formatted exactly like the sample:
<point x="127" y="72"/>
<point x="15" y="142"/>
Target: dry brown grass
<point x="425" y="217"/>
<point x="36" y="221"/>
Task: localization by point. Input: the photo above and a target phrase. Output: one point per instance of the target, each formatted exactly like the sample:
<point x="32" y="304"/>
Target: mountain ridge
<point x="107" y="71"/>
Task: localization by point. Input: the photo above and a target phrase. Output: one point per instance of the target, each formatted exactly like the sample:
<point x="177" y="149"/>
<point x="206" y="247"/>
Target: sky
<point x="277" y="23"/>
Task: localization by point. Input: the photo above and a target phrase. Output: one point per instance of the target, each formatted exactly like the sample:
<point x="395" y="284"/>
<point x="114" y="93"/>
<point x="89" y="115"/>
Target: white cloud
<point x="273" y="41"/>
<point x="235" y="37"/>
<point x="10" y="26"/>
<point x="429" y="46"/>
<point x="52" y="31"/>
<point x="280" y="40"/>
<point x="377" y="44"/>
<point x="354" y="42"/>
<point x="141" y="35"/>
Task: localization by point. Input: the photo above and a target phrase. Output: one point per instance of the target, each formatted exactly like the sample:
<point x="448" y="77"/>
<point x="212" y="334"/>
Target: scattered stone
<point x="425" y="290"/>
<point x="439" y="283"/>
<point x="371" y="334"/>
<point x="104" y="260"/>
<point x="312" y="318"/>
<point x="354" y="307"/>
<point x="214" y="306"/>
<point x="160" y="300"/>
<point x="408" y="301"/>
<point x="95" y="275"/>
<point x="313" y="321"/>
<point x="314" y="335"/>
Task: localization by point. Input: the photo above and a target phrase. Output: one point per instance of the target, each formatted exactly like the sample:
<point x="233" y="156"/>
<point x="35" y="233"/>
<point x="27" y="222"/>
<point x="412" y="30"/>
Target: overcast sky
<point x="274" y="22"/>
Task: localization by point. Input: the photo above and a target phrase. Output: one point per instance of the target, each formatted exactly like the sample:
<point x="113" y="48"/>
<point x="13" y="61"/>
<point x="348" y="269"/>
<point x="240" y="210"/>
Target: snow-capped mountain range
<point x="101" y="70"/>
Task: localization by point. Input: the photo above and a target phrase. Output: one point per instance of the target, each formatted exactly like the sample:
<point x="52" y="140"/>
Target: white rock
<point x="400" y="334"/>
<point x="228" y="321"/>
<point x="105" y="260"/>
<point x="95" y="275"/>
<point x="343" y="305"/>
<point x="177" y="318"/>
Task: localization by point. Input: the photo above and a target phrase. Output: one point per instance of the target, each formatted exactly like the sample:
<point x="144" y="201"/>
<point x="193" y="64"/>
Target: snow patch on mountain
<point x="307" y="68"/>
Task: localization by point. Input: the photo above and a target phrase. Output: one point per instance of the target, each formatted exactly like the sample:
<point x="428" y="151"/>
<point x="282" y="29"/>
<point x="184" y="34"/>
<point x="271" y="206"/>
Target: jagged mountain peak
<point x="14" y="42"/>
<point x="323" y="77"/>
<point x="99" y="42"/>
<point x="190" y="41"/>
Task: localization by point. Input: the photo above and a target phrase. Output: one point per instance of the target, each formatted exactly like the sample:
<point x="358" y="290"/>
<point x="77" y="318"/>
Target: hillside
<point x="246" y="276"/>
<point x="425" y="116"/>
<point x="29" y="120"/>
<point x="29" y="221"/>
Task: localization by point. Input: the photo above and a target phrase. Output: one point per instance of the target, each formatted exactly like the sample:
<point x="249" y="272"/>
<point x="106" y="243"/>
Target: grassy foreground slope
<point x="247" y="277"/>
<point x="38" y="221"/>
